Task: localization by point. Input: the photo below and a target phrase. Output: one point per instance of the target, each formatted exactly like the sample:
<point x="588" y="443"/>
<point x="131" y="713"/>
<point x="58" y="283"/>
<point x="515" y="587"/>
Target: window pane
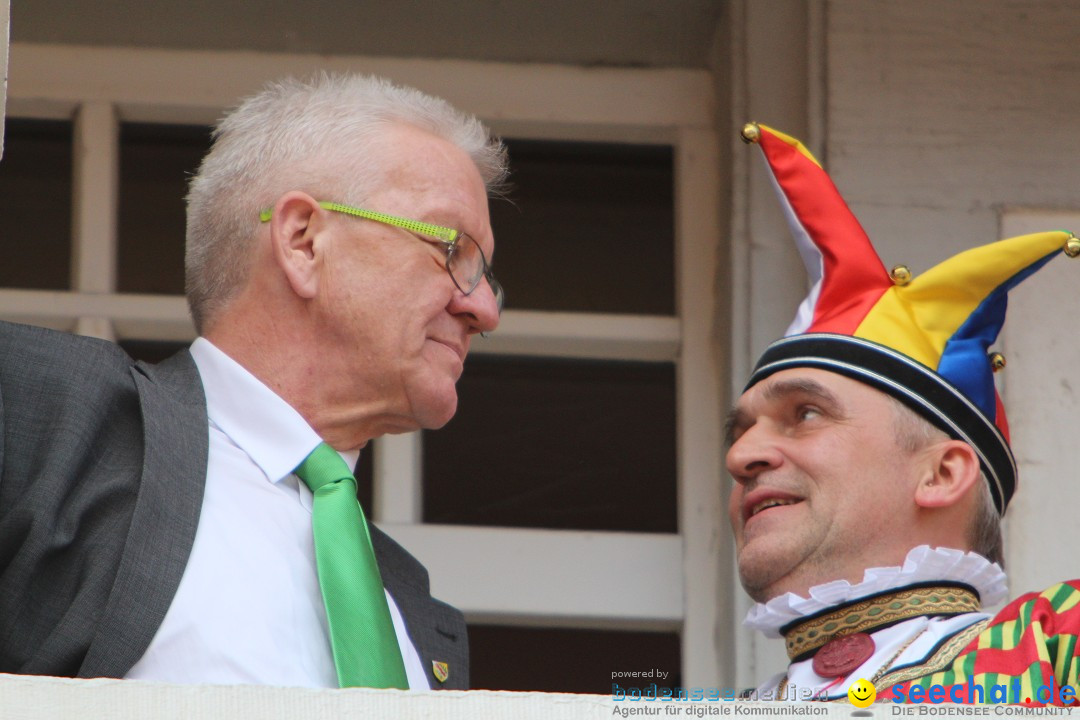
<point x="35" y="205"/>
<point x="576" y="661"/>
<point x="556" y="444"/>
<point x="151" y="351"/>
<point x="589" y="227"/>
<point x="155" y="164"/>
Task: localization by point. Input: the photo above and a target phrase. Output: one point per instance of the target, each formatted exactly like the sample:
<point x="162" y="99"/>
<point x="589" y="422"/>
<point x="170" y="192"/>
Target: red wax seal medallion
<point x="841" y="655"/>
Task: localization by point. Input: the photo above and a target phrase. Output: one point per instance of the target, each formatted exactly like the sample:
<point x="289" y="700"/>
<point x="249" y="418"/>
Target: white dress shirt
<point x="248" y="608"/>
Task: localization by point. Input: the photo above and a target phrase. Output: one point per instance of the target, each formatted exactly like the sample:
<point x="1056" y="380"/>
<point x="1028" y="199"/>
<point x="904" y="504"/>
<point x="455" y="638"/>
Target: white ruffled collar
<point x="922" y="564"/>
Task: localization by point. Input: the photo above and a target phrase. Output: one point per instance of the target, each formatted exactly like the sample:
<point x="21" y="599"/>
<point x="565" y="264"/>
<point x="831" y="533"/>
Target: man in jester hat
<point x="872" y="466"/>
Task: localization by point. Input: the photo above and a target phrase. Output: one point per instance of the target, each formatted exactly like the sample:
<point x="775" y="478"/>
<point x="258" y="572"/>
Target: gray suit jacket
<point x="102" y="469"/>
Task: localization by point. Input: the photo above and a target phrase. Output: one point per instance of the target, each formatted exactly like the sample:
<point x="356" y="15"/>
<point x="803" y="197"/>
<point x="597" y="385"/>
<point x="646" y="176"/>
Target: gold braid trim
<point x="937" y="662"/>
<point x="874" y="612"/>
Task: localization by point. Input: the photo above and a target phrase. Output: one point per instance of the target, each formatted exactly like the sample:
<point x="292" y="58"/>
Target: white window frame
<point x="510" y="576"/>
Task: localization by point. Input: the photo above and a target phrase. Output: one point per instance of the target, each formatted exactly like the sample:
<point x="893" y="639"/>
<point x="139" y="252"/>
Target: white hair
<point x="321" y="135"/>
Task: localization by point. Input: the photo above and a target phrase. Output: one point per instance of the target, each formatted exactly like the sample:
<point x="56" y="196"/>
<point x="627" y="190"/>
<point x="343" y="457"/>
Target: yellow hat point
<point x="1072" y="246"/>
<point x="997" y="361"/>
<point x="900" y="275"/>
<point x="751" y="133"/>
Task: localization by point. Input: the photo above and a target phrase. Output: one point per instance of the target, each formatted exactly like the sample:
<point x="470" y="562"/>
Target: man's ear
<point x="952" y="469"/>
<point x="293" y="233"/>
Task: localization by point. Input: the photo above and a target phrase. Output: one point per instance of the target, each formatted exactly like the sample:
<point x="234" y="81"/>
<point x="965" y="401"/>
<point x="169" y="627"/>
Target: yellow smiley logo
<point x="862" y="693"/>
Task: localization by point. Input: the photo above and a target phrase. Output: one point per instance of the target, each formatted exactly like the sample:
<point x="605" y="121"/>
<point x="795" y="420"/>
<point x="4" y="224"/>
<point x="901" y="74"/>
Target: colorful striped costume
<point x="1030" y="644"/>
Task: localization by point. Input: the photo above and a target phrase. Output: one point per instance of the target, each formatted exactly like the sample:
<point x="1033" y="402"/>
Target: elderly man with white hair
<point x="196" y="521"/>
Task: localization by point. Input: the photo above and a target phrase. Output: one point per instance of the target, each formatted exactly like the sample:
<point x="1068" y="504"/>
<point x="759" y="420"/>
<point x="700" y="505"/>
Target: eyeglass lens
<point x="467" y="264"/>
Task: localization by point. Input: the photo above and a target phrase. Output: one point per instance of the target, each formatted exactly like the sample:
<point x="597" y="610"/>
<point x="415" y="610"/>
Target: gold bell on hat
<point x="997" y="361"/>
<point x="751" y="133"/>
<point x="900" y="275"/>
<point x="1072" y="246"/>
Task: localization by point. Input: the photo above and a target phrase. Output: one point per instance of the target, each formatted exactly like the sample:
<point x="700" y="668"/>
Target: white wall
<point x="1042" y="396"/>
<point x="46" y="698"/>
<point x="941" y="114"/>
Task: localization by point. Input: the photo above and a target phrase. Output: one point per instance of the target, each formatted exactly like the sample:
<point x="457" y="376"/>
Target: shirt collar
<point x="272" y="433"/>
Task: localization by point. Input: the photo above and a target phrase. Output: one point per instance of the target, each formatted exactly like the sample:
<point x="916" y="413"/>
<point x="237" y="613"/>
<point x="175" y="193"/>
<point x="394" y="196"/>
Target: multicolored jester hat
<point x="925" y="340"/>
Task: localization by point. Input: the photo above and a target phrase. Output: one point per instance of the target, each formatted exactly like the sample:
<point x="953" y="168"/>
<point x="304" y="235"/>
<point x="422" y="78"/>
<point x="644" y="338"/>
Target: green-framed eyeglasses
<point x="466" y="263"/>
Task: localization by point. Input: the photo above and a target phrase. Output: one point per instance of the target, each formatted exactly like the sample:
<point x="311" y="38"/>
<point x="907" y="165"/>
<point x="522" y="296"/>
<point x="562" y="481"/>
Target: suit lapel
<point x="437" y="630"/>
<point x="167" y="507"/>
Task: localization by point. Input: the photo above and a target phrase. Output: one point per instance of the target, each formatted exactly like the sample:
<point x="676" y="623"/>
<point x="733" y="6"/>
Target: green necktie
<point x="366" y="651"/>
